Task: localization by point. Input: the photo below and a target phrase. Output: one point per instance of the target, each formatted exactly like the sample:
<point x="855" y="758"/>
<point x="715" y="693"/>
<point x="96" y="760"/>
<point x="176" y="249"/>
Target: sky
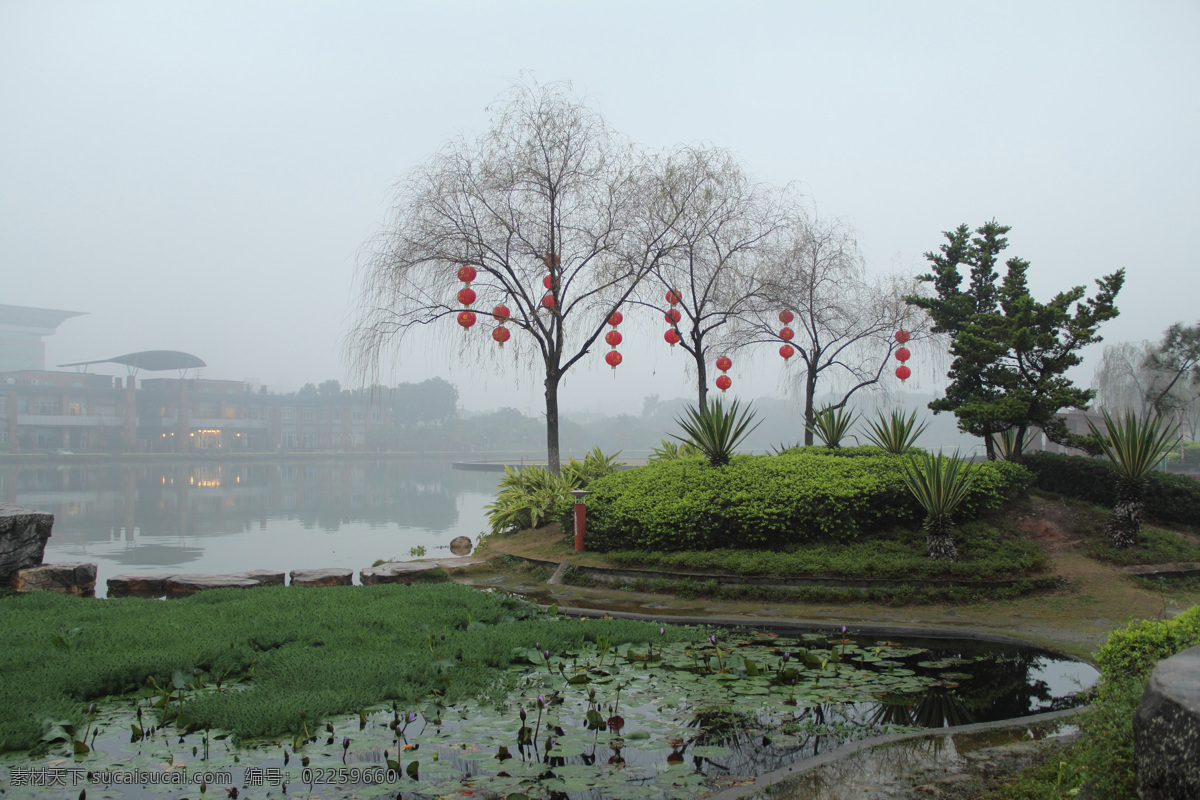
<point x="203" y="176"/>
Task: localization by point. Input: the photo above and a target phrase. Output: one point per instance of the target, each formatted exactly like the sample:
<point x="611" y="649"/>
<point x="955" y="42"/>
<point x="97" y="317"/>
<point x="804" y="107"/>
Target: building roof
<point x="152" y="360"/>
<point x="42" y="321"/>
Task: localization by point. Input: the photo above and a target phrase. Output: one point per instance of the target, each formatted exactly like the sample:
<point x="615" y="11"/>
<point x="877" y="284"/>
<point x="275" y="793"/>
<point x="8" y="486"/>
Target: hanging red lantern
<point x="466" y="273"/>
<point x="615" y="319"/>
<point x="548" y="301"/>
<point x="672" y="337"/>
<point x="903" y="355"/>
<point x="466" y="296"/>
<point x="613" y="338"/>
<point x="724" y="382"/>
<point x="673" y="316"/>
<point x="786" y="316"/>
<point x="672" y="297"/>
<point x="501" y="313"/>
<point x="903" y="372"/>
<point x="612" y="358"/>
<point x="501" y="335"/>
<point x="724" y="363"/>
<point x="550" y="261"/>
<point x="786" y="334"/>
<point x="787" y="351"/>
<point x="466" y="318"/>
<point x="548" y="281"/>
<point x="903" y="336"/>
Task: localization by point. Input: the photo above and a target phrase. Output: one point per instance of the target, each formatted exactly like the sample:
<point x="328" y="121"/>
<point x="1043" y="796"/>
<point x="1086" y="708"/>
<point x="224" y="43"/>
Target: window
<point x="337" y="415"/>
<point x="289" y="414"/>
<point x="308" y="415"/>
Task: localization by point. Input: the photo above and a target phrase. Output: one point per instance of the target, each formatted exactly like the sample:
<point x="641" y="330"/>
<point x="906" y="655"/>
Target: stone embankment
<point x="23" y="535"/>
<point x="1166" y="730"/>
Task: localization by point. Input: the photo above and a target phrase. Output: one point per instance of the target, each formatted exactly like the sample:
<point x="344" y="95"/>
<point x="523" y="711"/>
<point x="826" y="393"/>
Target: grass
<point x="317" y="651"/>
<point x="1155" y="546"/>
<point x="988" y="550"/>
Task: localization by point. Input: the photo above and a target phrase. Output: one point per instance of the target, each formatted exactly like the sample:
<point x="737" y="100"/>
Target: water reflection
<point x="228" y="516"/>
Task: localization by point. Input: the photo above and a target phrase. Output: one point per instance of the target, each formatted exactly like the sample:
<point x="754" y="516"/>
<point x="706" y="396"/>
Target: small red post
<point x="580" y="518"/>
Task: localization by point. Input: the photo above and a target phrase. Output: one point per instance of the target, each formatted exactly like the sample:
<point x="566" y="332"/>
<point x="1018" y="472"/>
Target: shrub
<point x="1133" y="651"/>
<point x="528" y="497"/>
<point x="766" y="501"/>
<point x="1169" y="498"/>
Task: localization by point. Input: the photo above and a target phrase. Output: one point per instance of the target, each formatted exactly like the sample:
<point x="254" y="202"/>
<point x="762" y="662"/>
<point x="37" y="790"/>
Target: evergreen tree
<point x="1010" y="353"/>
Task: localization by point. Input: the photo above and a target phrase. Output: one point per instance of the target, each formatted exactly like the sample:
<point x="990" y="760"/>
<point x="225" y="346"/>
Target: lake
<point x="217" y="516"/>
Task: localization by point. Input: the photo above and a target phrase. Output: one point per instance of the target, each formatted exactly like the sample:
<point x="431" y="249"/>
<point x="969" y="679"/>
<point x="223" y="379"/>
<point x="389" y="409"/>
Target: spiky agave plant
<point x="1008" y="446"/>
<point x="1134" y="447"/>
<point x="831" y="425"/>
<point x="668" y="451"/>
<point x="716" y="430"/>
<point x="939" y="484"/>
<point x="894" y="433"/>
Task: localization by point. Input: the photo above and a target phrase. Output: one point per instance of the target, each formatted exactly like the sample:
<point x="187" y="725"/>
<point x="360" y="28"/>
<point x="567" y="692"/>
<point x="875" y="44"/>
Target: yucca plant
<point x="1008" y="447"/>
<point x="668" y="451"/>
<point x="715" y="430"/>
<point x="1134" y="447"/>
<point x="831" y="425"/>
<point x="939" y="484"/>
<point x="894" y="433"/>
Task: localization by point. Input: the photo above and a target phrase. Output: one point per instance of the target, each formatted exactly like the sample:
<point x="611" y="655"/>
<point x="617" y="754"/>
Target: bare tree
<point x="1150" y="378"/>
<point x="1122" y="380"/>
<point x="844" y="318"/>
<point x="551" y="209"/>
<point x="718" y="219"/>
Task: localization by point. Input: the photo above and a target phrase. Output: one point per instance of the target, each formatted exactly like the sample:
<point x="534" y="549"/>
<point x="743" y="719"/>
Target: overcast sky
<point x="201" y="176"/>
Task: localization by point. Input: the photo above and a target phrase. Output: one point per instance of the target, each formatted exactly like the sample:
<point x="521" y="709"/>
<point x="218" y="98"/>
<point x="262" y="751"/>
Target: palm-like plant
<point x="1009" y="447"/>
<point x="1134" y="447"/>
<point x="894" y="433"/>
<point x="831" y="425"/>
<point x="668" y="451"/>
<point x="716" y="430"/>
<point x="939" y="484"/>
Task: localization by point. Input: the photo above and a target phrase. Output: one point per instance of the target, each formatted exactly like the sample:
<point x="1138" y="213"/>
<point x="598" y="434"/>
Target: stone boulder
<point x="1166" y="730"/>
<point x="461" y="545"/>
<point x="78" y="579"/>
<point x="141" y="584"/>
<point x="406" y="572"/>
<point x="330" y="576"/>
<point x="23" y="535"/>
<point x="184" y="585"/>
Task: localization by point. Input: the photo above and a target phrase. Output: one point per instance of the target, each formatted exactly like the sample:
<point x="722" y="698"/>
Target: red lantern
<point x="612" y="358"/>
<point x="724" y="363"/>
<point x="466" y="318"/>
<point x="724" y="382"/>
<point x="672" y="337"/>
<point x="466" y="296"/>
<point x="786" y="334"/>
<point x="550" y="261"/>
<point x="902" y="372"/>
<point x="673" y="316"/>
<point x="501" y="313"/>
<point x="615" y="319"/>
<point x="903" y="336"/>
<point x="672" y="297"/>
<point x="903" y="355"/>
<point x="787" y="351"/>
<point x="548" y="301"/>
<point x="501" y="335"/>
<point x="786" y="316"/>
<point x="466" y="273"/>
<point x="612" y="338"/>
<point x="548" y="281"/>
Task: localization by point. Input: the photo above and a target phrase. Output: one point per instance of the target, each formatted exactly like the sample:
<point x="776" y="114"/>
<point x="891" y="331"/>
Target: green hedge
<point x="1169" y="498"/>
<point x="767" y="501"/>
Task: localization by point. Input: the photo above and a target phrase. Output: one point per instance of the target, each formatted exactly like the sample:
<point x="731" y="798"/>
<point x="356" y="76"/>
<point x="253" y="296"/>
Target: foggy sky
<point x="201" y="176"/>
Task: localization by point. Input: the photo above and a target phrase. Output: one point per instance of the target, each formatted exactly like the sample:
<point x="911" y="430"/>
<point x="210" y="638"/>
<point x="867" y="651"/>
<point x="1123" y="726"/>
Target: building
<point x="21" y="331"/>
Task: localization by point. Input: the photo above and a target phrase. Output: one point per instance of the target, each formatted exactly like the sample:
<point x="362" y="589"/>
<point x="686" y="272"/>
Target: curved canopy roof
<point x="152" y="360"/>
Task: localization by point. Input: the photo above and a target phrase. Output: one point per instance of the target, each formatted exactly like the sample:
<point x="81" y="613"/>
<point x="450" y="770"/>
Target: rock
<point x="264" y="577"/>
<point x="23" y="535"/>
<point x="78" y="579"/>
<point x="331" y="576"/>
<point x="1166" y="730"/>
<point x="144" y="584"/>
<point x="461" y="545"/>
<point x="405" y="572"/>
<point x="184" y="585"/>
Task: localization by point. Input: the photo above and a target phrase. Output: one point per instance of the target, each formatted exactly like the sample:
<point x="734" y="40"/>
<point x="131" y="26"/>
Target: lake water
<point x="216" y="517"/>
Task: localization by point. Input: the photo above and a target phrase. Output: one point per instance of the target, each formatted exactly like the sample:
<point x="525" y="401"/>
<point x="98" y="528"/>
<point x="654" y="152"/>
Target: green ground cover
<point x="288" y="652"/>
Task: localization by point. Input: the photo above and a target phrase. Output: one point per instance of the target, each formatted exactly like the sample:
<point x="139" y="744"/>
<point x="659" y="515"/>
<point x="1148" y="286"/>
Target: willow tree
<point x="719" y="221"/>
<point x="551" y="209"/>
<point x="842" y="318"/>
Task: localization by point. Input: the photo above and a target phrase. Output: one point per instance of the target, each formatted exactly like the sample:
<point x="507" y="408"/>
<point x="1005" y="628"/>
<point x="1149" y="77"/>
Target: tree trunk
<point x="702" y="380"/>
<point x="552" y="455"/>
<point x="939" y="538"/>
<point x="1124" y="526"/>
<point x="810" y="387"/>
